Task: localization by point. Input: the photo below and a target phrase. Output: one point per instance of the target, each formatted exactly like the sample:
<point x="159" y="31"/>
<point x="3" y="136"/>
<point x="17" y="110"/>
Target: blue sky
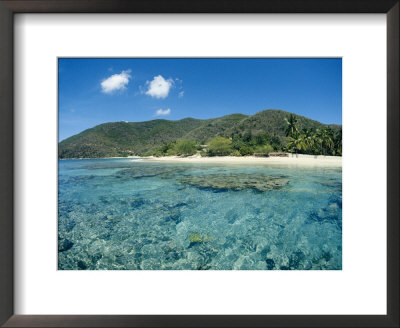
<point x="95" y="91"/>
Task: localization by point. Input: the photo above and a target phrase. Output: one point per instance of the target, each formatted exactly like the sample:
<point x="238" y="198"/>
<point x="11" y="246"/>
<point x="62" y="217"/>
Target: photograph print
<point x="199" y="164"/>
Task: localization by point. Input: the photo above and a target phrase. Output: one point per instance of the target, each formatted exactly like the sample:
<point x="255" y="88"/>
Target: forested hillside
<point x="144" y="138"/>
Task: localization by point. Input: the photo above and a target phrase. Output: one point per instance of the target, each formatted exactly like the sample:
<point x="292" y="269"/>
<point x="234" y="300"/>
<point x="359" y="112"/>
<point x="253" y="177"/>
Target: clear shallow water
<point x="124" y="214"/>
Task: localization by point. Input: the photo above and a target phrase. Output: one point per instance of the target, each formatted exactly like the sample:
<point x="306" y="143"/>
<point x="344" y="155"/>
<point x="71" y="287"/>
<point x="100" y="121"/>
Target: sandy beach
<point x="295" y="160"/>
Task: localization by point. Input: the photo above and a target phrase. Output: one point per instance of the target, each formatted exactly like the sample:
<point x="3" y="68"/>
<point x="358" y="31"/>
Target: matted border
<point x="9" y="7"/>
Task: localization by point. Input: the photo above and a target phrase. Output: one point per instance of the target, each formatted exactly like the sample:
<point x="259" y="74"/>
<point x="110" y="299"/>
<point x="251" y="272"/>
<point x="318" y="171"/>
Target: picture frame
<point x="7" y="10"/>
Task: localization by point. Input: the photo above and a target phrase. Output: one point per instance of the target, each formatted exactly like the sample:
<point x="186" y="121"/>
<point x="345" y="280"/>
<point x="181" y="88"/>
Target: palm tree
<point x="338" y="143"/>
<point x="308" y="136"/>
<point x="318" y="141"/>
<point x="296" y="143"/>
<point x="291" y="129"/>
<point x="327" y="140"/>
<point x="291" y="145"/>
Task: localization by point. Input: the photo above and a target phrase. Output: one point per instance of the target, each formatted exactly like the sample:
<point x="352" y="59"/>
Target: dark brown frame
<point x="7" y="10"/>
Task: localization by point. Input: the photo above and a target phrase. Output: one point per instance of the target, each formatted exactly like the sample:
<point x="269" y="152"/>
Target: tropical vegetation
<point x="321" y="141"/>
<point x="236" y="135"/>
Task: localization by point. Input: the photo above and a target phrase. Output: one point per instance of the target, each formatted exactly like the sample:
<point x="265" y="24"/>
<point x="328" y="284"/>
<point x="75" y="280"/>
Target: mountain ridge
<point x="114" y="139"/>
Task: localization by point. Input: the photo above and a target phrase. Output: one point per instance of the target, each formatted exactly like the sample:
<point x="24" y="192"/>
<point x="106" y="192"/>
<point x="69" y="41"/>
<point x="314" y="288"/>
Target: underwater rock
<point x="177" y="205"/>
<point x="173" y="216"/>
<point x="82" y="265"/>
<point x="82" y="178"/>
<point x="282" y="261"/>
<point x="322" y="262"/>
<point x="270" y="264"/>
<point x="296" y="259"/>
<point x="332" y="183"/>
<point x="232" y="216"/>
<point x="172" y="256"/>
<point x="105" y="236"/>
<point x="95" y="258"/>
<point x="195" y="238"/>
<point x="244" y="263"/>
<point x="196" y="260"/>
<point x="136" y="203"/>
<point x="104" y="200"/>
<point x="69" y="225"/>
<point x="330" y="214"/>
<point x="336" y="202"/>
<point x="326" y="256"/>
<point x="64" y="245"/>
<point x="307" y="265"/>
<point x="137" y="256"/>
<point x="148" y="172"/>
<point x="237" y="182"/>
<point x="206" y="266"/>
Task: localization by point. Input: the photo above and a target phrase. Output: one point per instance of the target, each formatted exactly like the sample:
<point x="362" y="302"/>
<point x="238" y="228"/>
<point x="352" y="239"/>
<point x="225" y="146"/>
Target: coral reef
<point x="126" y="215"/>
<point x="237" y="182"/>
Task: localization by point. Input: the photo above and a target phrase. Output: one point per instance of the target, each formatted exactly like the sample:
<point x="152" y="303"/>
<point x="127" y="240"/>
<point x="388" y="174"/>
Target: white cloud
<point x="159" y="87"/>
<point x="116" y="82"/>
<point x="180" y="94"/>
<point x="160" y="112"/>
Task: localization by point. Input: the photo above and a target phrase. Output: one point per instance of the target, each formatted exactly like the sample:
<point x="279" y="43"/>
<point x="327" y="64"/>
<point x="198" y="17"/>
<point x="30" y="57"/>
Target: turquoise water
<point x="126" y="214"/>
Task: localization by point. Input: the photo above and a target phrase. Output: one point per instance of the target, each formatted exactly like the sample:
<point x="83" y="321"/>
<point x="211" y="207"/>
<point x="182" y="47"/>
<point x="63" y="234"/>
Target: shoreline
<point x="299" y="160"/>
<point x="292" y="160"/>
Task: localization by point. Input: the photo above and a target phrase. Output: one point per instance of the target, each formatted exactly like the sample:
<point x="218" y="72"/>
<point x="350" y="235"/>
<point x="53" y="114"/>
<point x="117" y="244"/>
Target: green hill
<point x="135" y="138"/>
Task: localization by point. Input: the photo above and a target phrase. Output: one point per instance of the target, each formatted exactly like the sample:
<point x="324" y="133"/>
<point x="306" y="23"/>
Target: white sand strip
<point x="301" y="160"/>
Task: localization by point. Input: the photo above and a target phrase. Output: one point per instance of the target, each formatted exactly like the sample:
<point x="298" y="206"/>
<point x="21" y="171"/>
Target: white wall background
<point x="360" y="288"/>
